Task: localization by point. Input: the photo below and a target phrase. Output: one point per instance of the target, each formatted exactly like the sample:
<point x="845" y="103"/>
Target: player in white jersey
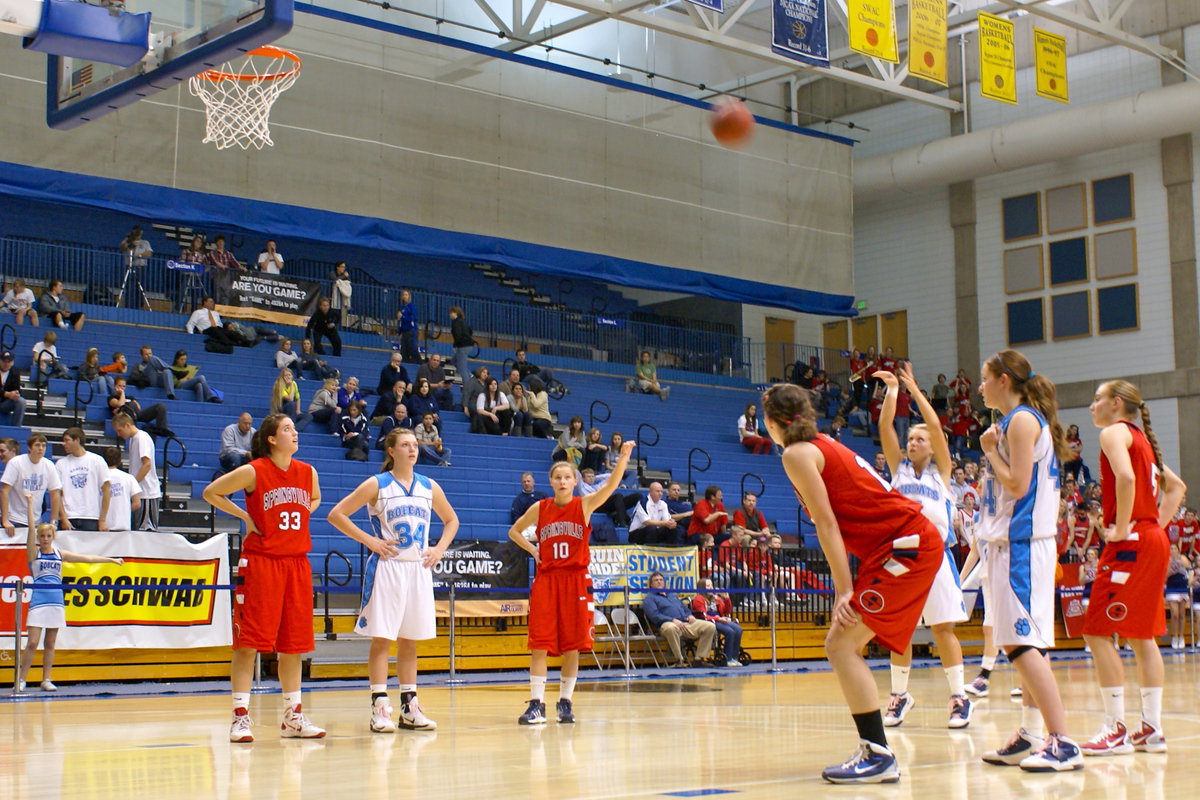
<point x="922" y="473"/>
<point x="1018" y="521"/>
<point x="974" y="576"/>
<point x="397" y="603"/>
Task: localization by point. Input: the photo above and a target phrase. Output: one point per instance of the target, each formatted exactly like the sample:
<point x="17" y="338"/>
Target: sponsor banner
<point x="798" y="30"/>
<point x="479" y="566"/>
<point x="516" y="607"/>
<point x="1070" y="594"/>
<point x="872" y="28"/>
<point x="715" y="5"/>
<point x="616" y="566"/>
<point x="1050" y="64"/>
<point x="927" y="40"/>
<point x="269" y="298"/>
<point x="997" y="59"/>
<point x="148" y="601"/>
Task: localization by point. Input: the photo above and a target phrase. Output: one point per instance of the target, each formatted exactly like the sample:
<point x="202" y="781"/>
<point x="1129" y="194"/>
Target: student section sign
<point x="615" y="567"/>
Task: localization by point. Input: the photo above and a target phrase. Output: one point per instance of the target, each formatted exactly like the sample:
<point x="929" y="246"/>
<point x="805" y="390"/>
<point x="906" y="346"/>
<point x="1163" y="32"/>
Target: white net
<point x="238" y="99"/>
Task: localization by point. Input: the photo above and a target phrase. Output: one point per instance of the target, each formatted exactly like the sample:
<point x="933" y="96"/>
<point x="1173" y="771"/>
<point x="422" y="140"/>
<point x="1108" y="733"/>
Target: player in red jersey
<point x="899" y="551"/>
<point x="273" y="607"/>
<point x="560" y="600"/>
<point x="1127" y="595"/>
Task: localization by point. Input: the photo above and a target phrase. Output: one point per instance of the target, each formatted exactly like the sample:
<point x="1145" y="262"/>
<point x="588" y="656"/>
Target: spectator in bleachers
<point x="285" y="399"/>
<point x="85" y="489"/>
<point x="310" y="362"/>
<point x="613" y="455"/>
<point x="136" y="249"/>
<point x="681" y="509"/>
<point x="431" y="450"/>
<point x="151" y="371"/>
<point x="221" y="259"/>
<point x="881" y="466"/>
<point x="392" y="371"/>
<point x="513" y="379"/>
<point x="471" y="389"/>
<point x="904" y="405"/>
<point x="730" y="564"/>
<point x="709" y="516"/>
<point x="518" y="401"/>
<point x="858" y="376"/>
<point x="356" y="436"/>
<point x="340" y="292"/>
<point x="119" y="365"/>
<point x="236" y="441"/>
<point x="539" y="409"/>
<point x="593" y="453"/>
<point x="422" y="402"/>
<point x="433" y="371"/>
<point x="1073" y="466"/>
<point x="142" y="467"/>
<point x="616" y="506"/>
<point x="349" y="394"/>
<point x="571" y="442"/>
<point x="717" y="608"/>
<point x="120" y="402"/>
<point x="645" y="378"/>
<point x="11" y="401"/>
<point x="270" y="260"/>
<point x="10" y="448"/>
<point x="31" y="473"/>
<point x="407" y="327"/>
<point x="749" y="518"/>
<point x="18" y="300"/>
<point x="651" y="522"/>
<point x="751" y="432"/>
<point x="939" y="396"/>
<point x="205" y="320"/>
<point x="324" y="406"/>
<point x="527" y="369"/>
<point x="667" y="614"/>
<point x="961" y="386"/>
<point x="526" y="498"/>
<point x="187" y="376"/>
<point x="90" y="371"/>
<point x="46" y="363"/>
<point x="463" y="339"/>
<point x="55" y="308"/>
<point x="323" y="324"/>
<point x="386" y="405"/>
<point x="493" y="415"/>
<point x="399" y="418"/>
<point x="194" y="252"/>
<point x="286" y="359"/>
<point x="125" y="493"/>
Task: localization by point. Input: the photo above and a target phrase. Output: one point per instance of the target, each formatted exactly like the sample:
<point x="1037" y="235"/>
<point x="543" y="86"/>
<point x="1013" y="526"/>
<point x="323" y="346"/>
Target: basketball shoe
<point x="960" y="712"/>
<point x="241" y="729"/>
<point x="977" y="687"/>
<point x="898" y="707"/>
<point x="1019" y="747"/>
<point x="534" y="715"/>
<point x="47" y="686"/>
<point x="1112" y="740"/>
<point x="381" y="717"/>
<point x="1058" y="754"/>
<point x="1149" y="739"/>
<point x="871" y="763"/>
<point x="565" y="713"/>
<point x="296" y="726"/>
<point x="412" y="718"/>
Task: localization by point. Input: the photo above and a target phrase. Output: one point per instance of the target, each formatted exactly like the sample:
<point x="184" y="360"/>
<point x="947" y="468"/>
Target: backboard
<point x="186" y="36"/>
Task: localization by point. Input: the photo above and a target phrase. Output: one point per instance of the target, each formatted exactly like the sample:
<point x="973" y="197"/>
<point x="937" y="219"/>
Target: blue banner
<point x="799" y="31"/>
<point x="716" y="5"/>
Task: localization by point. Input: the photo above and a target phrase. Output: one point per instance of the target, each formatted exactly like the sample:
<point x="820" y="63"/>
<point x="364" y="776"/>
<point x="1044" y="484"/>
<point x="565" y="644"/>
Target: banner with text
<point x="799" y="31"/>
<point x="715" y="5"/>
<point x="474" y="566"/>
<point x="872" y="28"/>
<point x="1050" y="64"/>
<point x="619" y="565"/>
<point x="148" y="601"/>
<point x="269" y="298"/>
<point x="997" y="59"/>
<point x="1070" y="594"/>
<point x="927" y="40"/>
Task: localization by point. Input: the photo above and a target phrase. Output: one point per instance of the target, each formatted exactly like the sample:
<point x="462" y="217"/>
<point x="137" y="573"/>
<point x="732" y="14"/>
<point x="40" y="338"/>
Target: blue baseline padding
<point x="79" y="30"/>
<point x="283" y="221"/>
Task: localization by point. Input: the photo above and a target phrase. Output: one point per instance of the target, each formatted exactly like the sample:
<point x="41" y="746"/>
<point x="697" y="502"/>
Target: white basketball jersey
<point x="1004" y="518"/>
<point x="930" y="491"/>
<point x="402" y="515"/>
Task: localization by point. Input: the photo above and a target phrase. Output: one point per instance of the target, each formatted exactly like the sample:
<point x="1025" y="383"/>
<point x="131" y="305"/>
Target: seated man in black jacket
<point x="528" y="368"/>
<point x="323" y="323"/>
<point x="10" y="390"/>
<point x="393" y="371"/>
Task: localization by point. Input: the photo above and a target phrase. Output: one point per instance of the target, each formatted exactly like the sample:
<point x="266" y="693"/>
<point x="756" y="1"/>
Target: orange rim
<point x="267" y="51"/>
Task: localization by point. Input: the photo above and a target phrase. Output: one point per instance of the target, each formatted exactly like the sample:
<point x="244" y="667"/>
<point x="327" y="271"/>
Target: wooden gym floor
<point x="742" y="736"/>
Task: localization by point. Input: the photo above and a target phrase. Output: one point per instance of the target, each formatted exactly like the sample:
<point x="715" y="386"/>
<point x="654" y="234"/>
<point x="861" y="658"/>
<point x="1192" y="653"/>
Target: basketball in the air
<point x="732" y="123"/>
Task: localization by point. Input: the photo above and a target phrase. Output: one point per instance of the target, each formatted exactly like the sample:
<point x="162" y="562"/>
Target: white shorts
<point x="397" y="601"/>
<point x="1021" y="575"/>
<point x="49" y="616"/>
<point x="977" y="579"/>
<point x="945" y="601"/>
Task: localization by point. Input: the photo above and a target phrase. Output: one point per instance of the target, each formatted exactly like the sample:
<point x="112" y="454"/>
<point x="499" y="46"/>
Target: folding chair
<point x="629" y="620"/>
<point x="605" y="634"/>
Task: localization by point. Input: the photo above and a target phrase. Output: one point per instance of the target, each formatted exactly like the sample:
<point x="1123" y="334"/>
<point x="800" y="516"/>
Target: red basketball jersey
<point x="1145" y="481"/>
<point x="1079" y="530"/>
<point x="279" y="506"/>
<point x="562" y="535"/>
<point x="869" y="512"/>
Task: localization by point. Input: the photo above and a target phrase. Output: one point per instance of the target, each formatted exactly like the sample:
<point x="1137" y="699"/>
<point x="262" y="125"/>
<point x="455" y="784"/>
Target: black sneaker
<point x="534" y="715"/>
<point x="565" y="713"/>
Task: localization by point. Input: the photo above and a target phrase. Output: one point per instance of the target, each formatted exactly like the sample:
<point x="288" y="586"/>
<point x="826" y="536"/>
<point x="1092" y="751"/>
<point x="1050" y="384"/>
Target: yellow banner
<point x="516" y="607"/>
<point x="997" y="59"/>
<point x="927" y="40"/>
<point x="872" y="27"/>
<point x="1050" y="62"/>
<point x="617" y="566"/>
<point x="111" y="594"/>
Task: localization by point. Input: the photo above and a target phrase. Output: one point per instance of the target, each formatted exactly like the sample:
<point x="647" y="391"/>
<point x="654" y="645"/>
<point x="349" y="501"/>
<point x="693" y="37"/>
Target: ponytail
<point x="260" y="447"/>
<point x="789" y="406"/>
<point x="1153" y="440"/>
<point x="1132" y="403"/>
<point x="1036" y="391"/>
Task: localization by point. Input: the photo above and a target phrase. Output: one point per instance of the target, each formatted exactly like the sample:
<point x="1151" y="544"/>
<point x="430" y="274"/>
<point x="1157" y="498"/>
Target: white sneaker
<point x="898" y="707"/>
<point x="413" y="718"/>
<point x="240" y="730"/>
<point x="62" y="324"/>
<point x="732" y="663"/>
<point x="20" y="687"/>
<point x="296" y="726"/>
<point x="47" y="686"/>
<point x="1017" y="692"/>
<point x="381" y="719"/>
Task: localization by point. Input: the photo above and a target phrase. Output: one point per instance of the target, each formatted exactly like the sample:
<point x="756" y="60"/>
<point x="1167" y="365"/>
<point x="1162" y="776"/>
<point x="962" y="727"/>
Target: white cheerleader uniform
<point x="397" y="601"/>
<point x="46" y="607"/>
<point x="1022" y="555"/>
<point x="945" y="601"/>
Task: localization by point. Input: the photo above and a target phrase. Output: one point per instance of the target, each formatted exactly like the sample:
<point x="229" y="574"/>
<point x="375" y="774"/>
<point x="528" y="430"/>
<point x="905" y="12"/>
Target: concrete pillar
<point x="966" y="292"/>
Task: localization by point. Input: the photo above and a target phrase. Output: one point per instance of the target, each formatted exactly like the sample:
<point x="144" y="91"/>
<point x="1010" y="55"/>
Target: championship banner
<point x="1050" y="64"/>
<point x="616" y="566"/>
<point x="927" y="40"/>
<point x="799" y="31"/>
<point x="1070" y="593"/>
<point x="872" y="28"/>
<point x="148" y="601"/>
<point x="265" y="297"/>
<point x="716" y="5"/>
<point x="482" y="565"/>
<point x="997" y="59"/>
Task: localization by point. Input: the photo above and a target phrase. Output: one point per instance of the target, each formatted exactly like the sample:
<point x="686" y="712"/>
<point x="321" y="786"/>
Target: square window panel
<point x="1117" y="308"/>
<point x="1022" y="217"/>
<point x="1071" y="315"/>
<point x="1066" y="208"/>
<point x="1026" y="322"/>
<point x="1068" y="261"/>
<point x="1112" y="199"/>
<point x="1023" y="269"/>
<point x="1115" y="253"/>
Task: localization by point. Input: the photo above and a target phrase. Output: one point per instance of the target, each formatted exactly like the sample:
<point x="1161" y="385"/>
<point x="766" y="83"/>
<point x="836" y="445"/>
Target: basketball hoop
<point x="238" y="102"/>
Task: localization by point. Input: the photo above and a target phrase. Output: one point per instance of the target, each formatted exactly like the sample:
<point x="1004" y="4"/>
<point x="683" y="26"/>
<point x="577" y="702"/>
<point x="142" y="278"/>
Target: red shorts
<point x="892" y="584"/>
<point x="561" y="612"/>
<point x="273" y="606"/>
<point x="1127" y="595"/>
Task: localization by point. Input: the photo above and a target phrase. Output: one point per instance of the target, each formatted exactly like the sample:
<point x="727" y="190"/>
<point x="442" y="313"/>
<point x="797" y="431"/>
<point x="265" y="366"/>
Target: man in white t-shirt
<point x="141" y="467"/>
<point x="85" y="489"/>
<point x="270" y="261"/>
<point x="33" y="474"/>
<point x="651" y="522"/>
<point x="126" y="494"/>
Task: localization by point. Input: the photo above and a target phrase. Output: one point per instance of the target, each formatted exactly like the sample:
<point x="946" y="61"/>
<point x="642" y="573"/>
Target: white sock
<point x="537" y="687"/>
<point x="1031" y="721"/>
<point x="291" y="700"/>
<point x="900" y="679"/>
<point x="1114" y="704"/>
<point x="954" y="676"/>
<point x="242" y="700"/>
<point x="1152" y="705"/>
<point x="566" y="688"/>
<point x="988" y="663"/>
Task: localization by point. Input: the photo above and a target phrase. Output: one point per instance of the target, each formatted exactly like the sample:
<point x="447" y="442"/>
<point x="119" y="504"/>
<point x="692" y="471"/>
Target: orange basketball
<point x="732" y="123"/>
